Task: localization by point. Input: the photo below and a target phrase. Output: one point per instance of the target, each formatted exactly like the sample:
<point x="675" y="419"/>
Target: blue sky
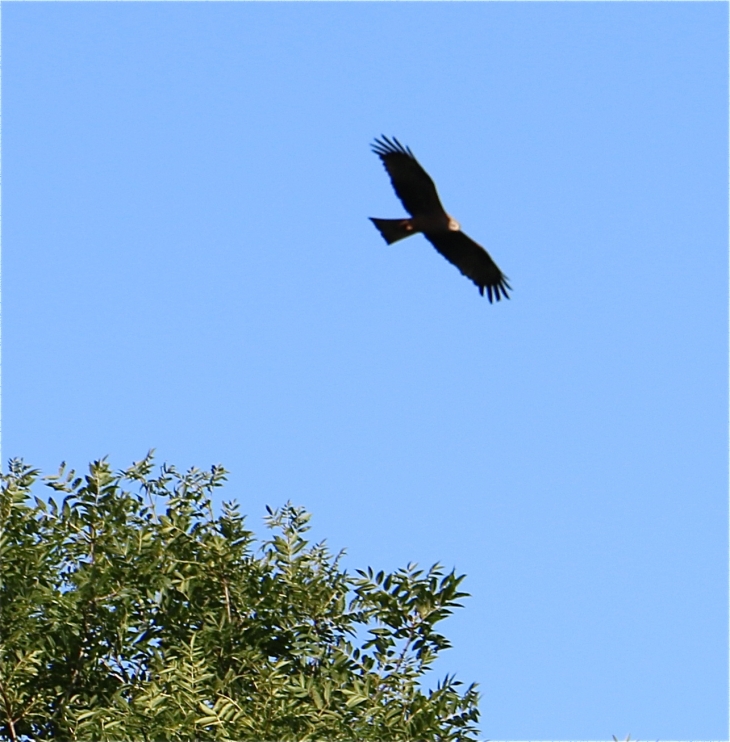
<point x="188" y="265"/>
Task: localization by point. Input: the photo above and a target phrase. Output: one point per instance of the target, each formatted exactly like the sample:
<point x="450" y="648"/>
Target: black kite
<point x="417" y="193"/>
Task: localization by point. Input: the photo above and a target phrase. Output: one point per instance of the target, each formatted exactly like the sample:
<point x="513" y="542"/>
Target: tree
<point x="130" y="610"/>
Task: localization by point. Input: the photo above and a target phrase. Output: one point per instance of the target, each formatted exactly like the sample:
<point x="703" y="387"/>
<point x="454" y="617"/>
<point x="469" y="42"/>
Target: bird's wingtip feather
<point x="495" y="292"/>
<point x="384" y="146"/>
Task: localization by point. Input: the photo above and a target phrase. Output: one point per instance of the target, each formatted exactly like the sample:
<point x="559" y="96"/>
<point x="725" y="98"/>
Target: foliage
<point x="130" y="611"/>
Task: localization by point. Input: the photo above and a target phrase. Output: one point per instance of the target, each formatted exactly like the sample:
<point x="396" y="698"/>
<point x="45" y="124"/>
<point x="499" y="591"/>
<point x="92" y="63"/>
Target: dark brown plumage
<point x="417" y="193"/>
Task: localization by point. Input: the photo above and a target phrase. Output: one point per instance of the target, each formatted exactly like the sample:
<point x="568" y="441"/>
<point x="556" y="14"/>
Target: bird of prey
<point x="417" y="193"/>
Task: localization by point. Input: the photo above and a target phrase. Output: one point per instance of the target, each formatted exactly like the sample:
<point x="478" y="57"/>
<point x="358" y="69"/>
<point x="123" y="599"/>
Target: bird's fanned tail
<point x="392" y="229"/>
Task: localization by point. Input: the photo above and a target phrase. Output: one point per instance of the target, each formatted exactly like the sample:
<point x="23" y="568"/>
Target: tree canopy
<point x="129" y="609"/>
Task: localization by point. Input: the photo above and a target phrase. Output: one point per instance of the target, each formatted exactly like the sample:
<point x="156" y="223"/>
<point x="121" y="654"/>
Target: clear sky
<point x="188" y="265"/>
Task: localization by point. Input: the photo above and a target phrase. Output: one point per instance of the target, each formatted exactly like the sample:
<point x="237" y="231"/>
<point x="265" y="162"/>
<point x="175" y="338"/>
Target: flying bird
<point x="417" y="193"/>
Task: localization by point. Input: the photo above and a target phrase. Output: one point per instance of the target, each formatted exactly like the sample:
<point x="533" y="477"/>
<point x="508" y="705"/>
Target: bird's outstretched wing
<point x="472" y="260"/>
<point x="411" y="182"/>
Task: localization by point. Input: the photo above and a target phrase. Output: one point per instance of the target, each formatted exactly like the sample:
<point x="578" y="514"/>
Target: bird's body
<point x="418" y="194"/>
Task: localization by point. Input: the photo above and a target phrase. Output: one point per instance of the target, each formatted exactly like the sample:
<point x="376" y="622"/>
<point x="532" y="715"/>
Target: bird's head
<point x="454" y="226"/>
